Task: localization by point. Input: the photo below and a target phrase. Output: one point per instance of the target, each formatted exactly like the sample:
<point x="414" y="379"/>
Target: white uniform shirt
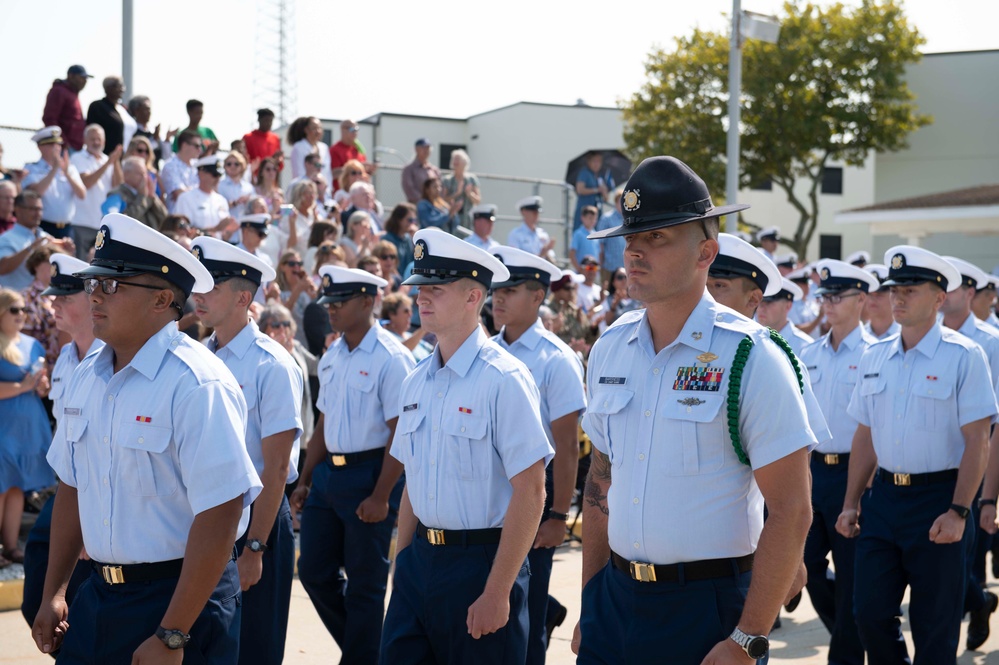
<point x="301" y="150"/>
<point x="986" y="337"/>
<point x="486" y="244"/>
<point x="465" y="429"/>
<point x="62" y="372"/>
<point x="88" y="211"/>
<point x="916" y="401"/>
<point x="833" y="375"/>
<point x="678" y="490"/>
<point x="204" y="209"/>
<point x="58" y="201"/>
<point x="177" y="174"/>
<point x="232" y="190"/>
<point x="359" y="390"/>
<point x="151" y="446"/>
<point x="893" y="329"/>
<point x="557" y="372"/>
<point x="272" y="387"/>
<point x="524" y="238"/>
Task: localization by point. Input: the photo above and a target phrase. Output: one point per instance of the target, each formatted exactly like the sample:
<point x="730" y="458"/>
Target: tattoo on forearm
<point x="600" y="473"/>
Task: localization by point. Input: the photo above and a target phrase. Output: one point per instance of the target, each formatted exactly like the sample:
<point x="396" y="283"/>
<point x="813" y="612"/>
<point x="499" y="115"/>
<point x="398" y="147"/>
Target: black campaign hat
<point x="663" y="191"/>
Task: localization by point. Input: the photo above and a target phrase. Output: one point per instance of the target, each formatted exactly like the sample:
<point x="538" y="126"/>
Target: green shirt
<point x="204" y="132"/>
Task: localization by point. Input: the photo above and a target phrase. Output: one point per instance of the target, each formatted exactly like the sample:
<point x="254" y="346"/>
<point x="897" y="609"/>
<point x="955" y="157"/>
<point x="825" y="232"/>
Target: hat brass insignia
<point x="327" y="281"/>
<point x="825" y="274"/>
<point x="695" y="335"/>
<point x="418" y="251"/>
<point x="198" y="253"/>
<point x="897" y="262"/>
<point x="99" y="241"/>
<point x="631" y="201"/>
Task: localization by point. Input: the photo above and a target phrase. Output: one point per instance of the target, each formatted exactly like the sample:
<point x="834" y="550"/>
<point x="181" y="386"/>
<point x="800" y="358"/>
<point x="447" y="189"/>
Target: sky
<point x="445" y="58"/>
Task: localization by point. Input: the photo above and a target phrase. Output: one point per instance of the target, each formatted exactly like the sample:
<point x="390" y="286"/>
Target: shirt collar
<point x="148" y="359"/>
<point x="850" y="341"/>
<point x="969" y="327"/>
<point x="528" y="339"/>
<point x="462" y="359"/>
<point x="927" y="345"/>
<point x="240" y="344"/>
<point x="696" y="332"/>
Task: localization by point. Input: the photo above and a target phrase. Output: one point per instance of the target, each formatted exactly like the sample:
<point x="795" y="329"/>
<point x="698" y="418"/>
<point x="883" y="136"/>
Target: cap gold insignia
<point x="99" y="241"/>
<point x="364" y="289"/>
<point x="165" y="269"/>
<point x="825" y="274"/>
<point x="327" y="281"/>
<point x="244" y="272"/>
<point x="707" y="357"/>
<point x="418" y="252"/>
<point x="197" y="253"/>
<point x="897" y="261"/>
<point x="55" y="269"/>
<point x="631" y="201"/>
<point x="695" y="335"/>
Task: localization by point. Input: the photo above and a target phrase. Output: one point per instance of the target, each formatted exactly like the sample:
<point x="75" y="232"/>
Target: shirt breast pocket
<point x="75" y="428"/>
<point x="701" y="439"/>
<point x="845" y="385"/>
<point x="407" y="439"/>
<point x="474" y="451"/>
<point x="933" y="404"/>
<point x="606" y="407"/>
<point x="250" y="395"/>
<point x="873" y="392"/>
<point x="57" y="390"/>
<point x="149" y="469"/>
<point x="358" y="395"/>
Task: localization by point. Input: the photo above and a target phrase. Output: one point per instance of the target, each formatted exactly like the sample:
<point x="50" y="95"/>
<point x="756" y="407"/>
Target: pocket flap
<point x="466" y="426"/>
<point x="814" y="374"/>
<point x="698" y="407"/>
<point x="75" y="427"/>
<point x="932" y="389"/>
<point x="149" y="438"/>
<point x="610" y="401"/>
<point x="872" y="386"/>
<point x="410" y="421"/>
<point x="362" y="383"/>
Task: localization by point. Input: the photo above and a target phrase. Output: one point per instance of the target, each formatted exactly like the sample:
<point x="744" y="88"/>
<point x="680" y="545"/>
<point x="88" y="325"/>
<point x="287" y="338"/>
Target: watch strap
<point x="553" y="515"/>
<point x="986" y="502"/>
<point x="962" y="511"/>
<point x="255" y="545"/>
<point x="173" y="639"/>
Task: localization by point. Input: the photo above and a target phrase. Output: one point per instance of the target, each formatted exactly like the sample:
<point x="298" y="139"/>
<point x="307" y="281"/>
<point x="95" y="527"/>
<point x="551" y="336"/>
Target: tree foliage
<point x="831" y="89"/>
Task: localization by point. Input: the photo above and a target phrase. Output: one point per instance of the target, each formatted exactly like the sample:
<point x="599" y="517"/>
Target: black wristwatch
<point x="173" y="639"/>
<point x="986" y="502"/>
<point x="256" y="546"/>
<point x="755" y="646"/>
<point x="552" y="515"/>
<point x="961" y="511"/>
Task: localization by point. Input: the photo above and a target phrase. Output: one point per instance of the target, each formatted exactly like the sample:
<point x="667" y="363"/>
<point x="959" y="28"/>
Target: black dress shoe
<point x="792" y="604"/>
<point x="554" y="621"/>
<point x="978" y="625"/>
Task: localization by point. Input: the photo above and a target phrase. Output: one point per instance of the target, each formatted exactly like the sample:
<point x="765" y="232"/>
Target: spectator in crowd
<point x="617" y="301"/>
<point x="179" y="173"/>
<point x="267" y="186"/>
<point x="12" y="176"/>
<point x="8" y="192"/>
<point x="483" y="219"/>
<point x="529" y="236"/>
<point x="388" y="260"/>
<point x="262" y="143"/>
<point x="142" y="147"/>
<point x="26" y="434"/>
<point x="358" y="238"/>
<point x="56" y="180"/>
<point x="195" y="111"/>
<point x="320" y="233"/>
<point x="370" y="264"/>
<point x="592" y="187"/>
<point x="296" y="289"/>
<point x="62" y="106"/>
<point x="206" y="208"/>
<point x="418" y="171"/>
<point x="178" y="226"/>
<point x="611" y="249"/>
<point x="462" y="186"/>
<point x="397" y="314"/>
<point x="362" y="197"/>
<point x="347" y="149"/>
<point x="295" y="228"/>
<point x="305" y="136"/>
<point x="582" y="245"/>
<point x="141" y="108"/>
<point x="351" y="172"/>
<point x="433" y="210"/>
<point x="589" y="292"/>
<point x="22" y="239"/>
<point x="99" y="174"/>
<point x="571" y="323"/>
<point x="233" y="187"/>
<point x="238" y="145"/>
<point x="134" y="196"/>
<point x="108" y="112"/>
<point x="40" y="317"/>
<point x="313" y="173"/>
<point x="397" y="232"/>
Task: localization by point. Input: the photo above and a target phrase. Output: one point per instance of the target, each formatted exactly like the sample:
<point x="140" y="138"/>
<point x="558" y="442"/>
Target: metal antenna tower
<point x="275" y="74"/>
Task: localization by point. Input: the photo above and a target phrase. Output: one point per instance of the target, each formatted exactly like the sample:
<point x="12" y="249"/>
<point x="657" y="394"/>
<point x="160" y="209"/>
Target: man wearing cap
<point x="786" y="263"/>
<point x="179" y="174"/>
<point x="206" y="208"/>
<point x="262" y="142"/>
<point x="471" y="439"/>
<point x="159" y="523"/>
<point x="483" y="218"/>
<point x="924" y="401"/>
<point x="529" y="236"/>
<point x="859" y="258"/>
<point x="252" y="232"/>
<point x="877" y="309"/>
<point x="350" y="484"/>
<point x="773" y="311"/>
<point x="805" y="314"/>
<point x="17" y="243"/>
<point x="62" y="106"/>
<point x="133" y="198"/>
<point x="983" y="302"/>
<point x="558" y="373"/>
<point x="100" y="174"/>
<point x="418" y="171"/>
<point x="768" y="238"/>
<point x="832" y="362"/>
<point x="686" y="448"/>
<point x="56" y="180"/>
<point x="272" y="387"/>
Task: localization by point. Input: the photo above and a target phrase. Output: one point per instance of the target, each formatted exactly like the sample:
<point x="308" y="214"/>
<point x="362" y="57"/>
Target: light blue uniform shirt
<point x="151" y="446"/>
<point x="487" y="244"/>
<point x="62" y="372"/>
<point x="986" y="337"/>
<point x="524" y="238"/>
<point x="993" y="320"/>
<point x="272" y="387"/>
<point x="359" y="390"/>
<point x="893" y="329"/>
<point x="465" y="429"/>
<point x="795" y="338"/>
<point x="557" y="372"/>
<point x="833" y="375"/>
<point x="58" y="201"/>
<point x="13" y="241"/>
<point x="613" y="247"/>
<point x="583" y="245"/>
<point x="916" y="401"/>
<point x="678" y="491"/>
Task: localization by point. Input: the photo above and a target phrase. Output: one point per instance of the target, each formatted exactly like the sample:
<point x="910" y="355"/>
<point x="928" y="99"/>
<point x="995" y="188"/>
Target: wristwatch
<point x="961" y="511"/>
<point x="552" y="515"/>
<point x="173" y="639"/>
<point x="986" y="502"/>
<point x="256" y="546"/>
<point x="755" y="646"/>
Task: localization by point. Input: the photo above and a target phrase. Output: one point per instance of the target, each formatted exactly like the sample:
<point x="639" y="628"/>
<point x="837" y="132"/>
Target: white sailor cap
<point x="485" y="211"/>
<point x="770" y="232"/>
<point x="126" y="247"/>
<point x="225" y="261"/>
<point x="257" y="221"/>
<point x="214" y="163"/>
<point x="802" y="274"/>
<point x="838" y="276"/>
<point x="859" y="258"/>
<point x="50" y="134"/>
<point x="64" y="282"/>
<point x="993" y="283"/>
<point x="786" y="260"/>
<point x="915" y="265"/>
<point x="441" y="258"/>
<point x="788" y="291"/>
<point x="879" y="271"/>
<point x="530" y="202"/>
<point x="737" y="258"/>
<point x="524" y="267"/>
<point x="340" y="284"/>
<point x="971" y="275"/>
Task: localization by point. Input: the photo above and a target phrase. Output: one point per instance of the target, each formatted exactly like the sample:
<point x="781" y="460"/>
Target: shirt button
<point x="431" y="496"/>
<point x="440" y="394"/>
<point x="641" y="455"/>
<point x="688" y="409"/>
<point x="110" y="397"/>
<point x="106" y="523"/>
<point x="105" y="481"/>
<point x="462" y="429"/>
<point x="655" y="371"/>
<point x="142" y="440"/>
<point x="435" y="428"/>
<point x="637" y="545"/>
<point x="635" y="500"/>
<point x="105" y="439"/>
<point x="433" y="462"/>
<point x="648" y="413"/>
<point x="606" y="403"/>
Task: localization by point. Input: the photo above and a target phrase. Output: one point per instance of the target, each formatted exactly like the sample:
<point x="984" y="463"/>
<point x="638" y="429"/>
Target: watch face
<point x="175" y="640"/>
<point x="758" y="647"/>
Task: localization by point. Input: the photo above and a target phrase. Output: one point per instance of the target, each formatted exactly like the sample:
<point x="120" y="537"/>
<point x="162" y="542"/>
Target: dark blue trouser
<point x="351" y="602"/>
<point x="538" y="602"/>
<point x="107" y="623"/>
<point x="433" y="588"/>
<point x="894" y="551"/>
<point x="264" y="626"/>
<point x="974" y="593"/>
<point x="832" y="599"/>
<point x="624" y="621"/>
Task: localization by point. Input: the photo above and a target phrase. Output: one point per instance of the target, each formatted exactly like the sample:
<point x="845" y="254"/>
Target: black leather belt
<point x="693" y="571"/>
<point x="347" y="459"/>
<point x="831" y="459"/>
<point x="137" y="572"/>
<point x="466" y="537"/>
<point x="907" y="479"/>
<point x="58" y="225"/>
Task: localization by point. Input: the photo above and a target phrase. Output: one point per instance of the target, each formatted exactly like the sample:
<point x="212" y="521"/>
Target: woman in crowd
<point x="397" y="312"/>
<point x="277" y="322"/>
<point x="39" y="317"/>
<point x="617" y="301"/>
<point x="305" y="137"/>
<point x="397" y="232"/>
<point x="462" y="186"/>
<point x="296" y="227"/>
<point x="25" y="436"/>
<point x="267" y="186"/>
<point x="297" y="289"/>
<point x="388" y="260"/>
<point x="358" y="239"/>
<point x="352" y="171"/>
<point x="142" y="148"/>
<point x="234" y="186"/>
<point x="434" y="210"/>
<point x="319" y="234"/>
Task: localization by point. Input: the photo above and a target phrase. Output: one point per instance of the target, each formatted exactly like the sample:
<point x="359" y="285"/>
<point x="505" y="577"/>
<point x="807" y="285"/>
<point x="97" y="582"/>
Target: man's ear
<point x="755" y="298"/>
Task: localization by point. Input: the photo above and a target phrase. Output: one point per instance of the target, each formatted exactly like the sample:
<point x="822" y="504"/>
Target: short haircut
<point x="188" y="136"/>
<point x="382" y="247"/>
<point x="40" y="256"/>
<point x="361" y="185"/>
<point x="368" y="260"/>
<point x="94" y="127"/>
<point x="135" y="102"/>
<point x="462" y="155"/>
<point x="275" y="313"/>
<point x="393" y="301"/>
<point x="193" y="104"/>
<point x="241" y="284"/>
<point x="133" y="163"/>
<point x="110" y="81"/>
<point x="26" y="197"/>
<point x="589" y="210"/>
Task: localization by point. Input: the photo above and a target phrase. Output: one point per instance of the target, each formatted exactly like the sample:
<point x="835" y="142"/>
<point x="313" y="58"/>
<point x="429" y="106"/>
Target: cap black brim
<point x="58" y="291"/>
<point x="670" y="219"/>
<point x="429" y="280"/>
<point x="101" y="271"/>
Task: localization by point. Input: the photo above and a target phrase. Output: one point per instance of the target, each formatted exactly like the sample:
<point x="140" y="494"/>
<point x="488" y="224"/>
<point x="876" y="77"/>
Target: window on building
<point x="446" y="150"/>
<point x="763" y="185"/>
<point x="832" y="180"/>
<point x="831" y="247"/>
<point x="328" y="136"/>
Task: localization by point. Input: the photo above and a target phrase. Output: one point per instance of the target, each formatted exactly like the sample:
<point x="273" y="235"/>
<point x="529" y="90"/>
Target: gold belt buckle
<point x="112" y="574"/>
<point x="435" y="536"/>
<point x="642" y="572"/>
<point x="902" y="479"/>
<point x="339" y="460"/>
<point x="831" y="459"/>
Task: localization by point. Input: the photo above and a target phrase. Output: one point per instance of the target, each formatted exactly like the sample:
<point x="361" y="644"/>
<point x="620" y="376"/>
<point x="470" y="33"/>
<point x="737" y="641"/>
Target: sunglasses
<point x="620" y="277"/>
<point x="231" y="164"/>
<point x="294" y="264"/>
<point x="17" y="310"/>
<point x="281" y="324"/>
<point x="141" y="151"/>
<point x="590" y="266"/>
<point x="355" y="172"/>
<point x="389" y="257"/>
<point x="110" y="286"/>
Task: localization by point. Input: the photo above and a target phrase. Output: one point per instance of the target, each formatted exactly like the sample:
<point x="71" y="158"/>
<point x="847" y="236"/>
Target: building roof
<point x="981" y="195"/>
<point x="376" y="118"/>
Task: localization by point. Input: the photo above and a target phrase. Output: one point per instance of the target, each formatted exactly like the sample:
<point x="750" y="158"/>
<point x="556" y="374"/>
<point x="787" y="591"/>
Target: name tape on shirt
<point x="872" y="376"/>
<point x="613" y="380"/>
<point x="706" y="379"/>
<point x="71" y="412"/>
<point x="410" y="407"/>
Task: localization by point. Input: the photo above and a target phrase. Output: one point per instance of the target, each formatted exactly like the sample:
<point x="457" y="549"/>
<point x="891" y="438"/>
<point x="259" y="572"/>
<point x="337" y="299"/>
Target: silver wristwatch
<point x="755" y="646"/>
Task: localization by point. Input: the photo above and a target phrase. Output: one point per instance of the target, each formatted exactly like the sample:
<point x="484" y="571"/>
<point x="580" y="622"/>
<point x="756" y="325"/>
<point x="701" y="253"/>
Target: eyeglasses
<point x="141" y="151"/>
<point x="228" y="164"/>
<point x="17" y="310"/>
<point x="197" y="144"/>
<point x="620" y="277"/>
<point x="110" y="286"/>
<point x="280" y="324"/>
<point x="294" y="264"/>
<point x="836" y="298"/>
<point x="412" y="219"/>
<point x="339" y="305"/>
<point x="389" y="257"/>
<point x="37" y="209"/>
<point x="352" y="129"/>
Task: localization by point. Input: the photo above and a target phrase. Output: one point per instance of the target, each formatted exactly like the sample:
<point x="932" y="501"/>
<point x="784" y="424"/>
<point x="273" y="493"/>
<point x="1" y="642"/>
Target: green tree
<point x="832" y="88"/>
